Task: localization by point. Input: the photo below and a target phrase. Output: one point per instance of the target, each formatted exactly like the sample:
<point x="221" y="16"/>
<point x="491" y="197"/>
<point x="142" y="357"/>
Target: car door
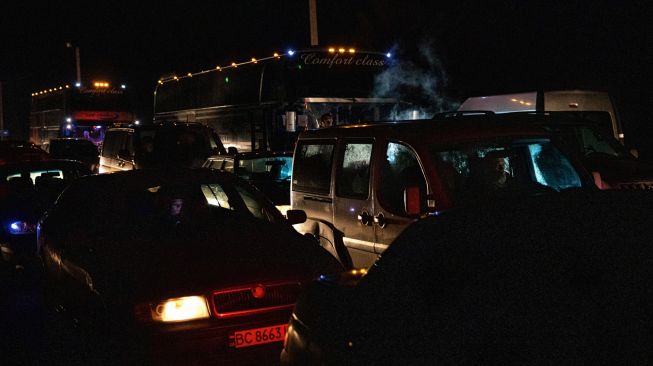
<point x="353" y="203"/>
<point x="399" y="168"/>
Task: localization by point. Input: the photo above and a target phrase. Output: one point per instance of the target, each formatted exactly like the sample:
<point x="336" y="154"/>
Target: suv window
<point x="400" y="170"/>
<point x="476" y="171"/>
<point x="354" y="171"/>
<point x="313" y="167"/>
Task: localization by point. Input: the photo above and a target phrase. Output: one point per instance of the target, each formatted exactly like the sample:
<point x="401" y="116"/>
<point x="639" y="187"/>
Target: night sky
<point x="474" y="47"/>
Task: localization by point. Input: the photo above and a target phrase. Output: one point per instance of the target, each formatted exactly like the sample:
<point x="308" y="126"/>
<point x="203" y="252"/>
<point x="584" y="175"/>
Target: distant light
<point x="621" y="135"/>
<point x="218" y="68"/>
<point x="388" y="55"/>
<point x="226" y="79"/>
<point x="253" y="60"/>
<point x="123" y="86"/>
<point x="67" y="86"/>
<point x="78" y="84"/>
<point x="176" y="78"/>
<point x="98" y="127"/>
<point x="332" y="50"/>
<point x="69" y="126"/>
<point x="291" y="52"/>
<point x="351" y="50"/>
<point x="341" y="50"/>
<point x="190" y="75"/>
<point x="276" y="55"/>
<point x="234" y="64"/>
<point x="69" y="119"/>
<point x="137" y="122"/>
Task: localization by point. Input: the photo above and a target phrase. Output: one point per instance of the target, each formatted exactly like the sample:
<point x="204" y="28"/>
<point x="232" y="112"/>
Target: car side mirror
<point x="635" y="153"/>
<point x="412" y="200"/>
<point x="600" y="183"/>
<point x="295" y="216"/>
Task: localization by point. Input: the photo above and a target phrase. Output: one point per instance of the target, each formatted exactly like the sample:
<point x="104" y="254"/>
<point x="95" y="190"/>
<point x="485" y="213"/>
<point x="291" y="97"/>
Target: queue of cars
<point x="390" y="227"/>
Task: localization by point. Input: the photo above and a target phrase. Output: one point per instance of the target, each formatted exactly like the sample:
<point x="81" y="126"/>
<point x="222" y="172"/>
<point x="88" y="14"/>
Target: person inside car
<point x="325" y="121"/>
<point x="490" y="173"/>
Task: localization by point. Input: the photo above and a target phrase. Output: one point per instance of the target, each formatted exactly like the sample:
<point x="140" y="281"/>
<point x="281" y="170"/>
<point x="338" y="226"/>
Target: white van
<point x="594" y="105"/>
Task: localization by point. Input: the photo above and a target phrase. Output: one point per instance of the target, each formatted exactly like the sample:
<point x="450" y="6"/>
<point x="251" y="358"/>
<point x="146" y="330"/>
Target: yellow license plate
<point x="253" y="337"/>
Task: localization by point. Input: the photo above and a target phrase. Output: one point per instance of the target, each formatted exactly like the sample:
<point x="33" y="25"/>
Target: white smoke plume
<point x="419" y="82"/>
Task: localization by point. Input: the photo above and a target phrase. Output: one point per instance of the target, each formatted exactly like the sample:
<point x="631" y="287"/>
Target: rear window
<point x="312" y="167"/>
<point x="184" y="146"/>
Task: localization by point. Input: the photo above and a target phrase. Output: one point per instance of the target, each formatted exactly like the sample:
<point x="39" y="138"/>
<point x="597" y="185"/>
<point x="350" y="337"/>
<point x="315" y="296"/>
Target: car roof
<point x="44" y="164"/>
<point x="141" y="177"/>
<point x="438" y="131"/>
<point x="253" y="155"/>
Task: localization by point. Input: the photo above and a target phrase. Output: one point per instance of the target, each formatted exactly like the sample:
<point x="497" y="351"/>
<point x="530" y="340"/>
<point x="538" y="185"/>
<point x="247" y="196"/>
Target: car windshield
<point x="474" y="170"/>
<point x="276" y="168"/>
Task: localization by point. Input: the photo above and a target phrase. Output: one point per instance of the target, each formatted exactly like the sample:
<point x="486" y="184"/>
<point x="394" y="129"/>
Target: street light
<point x="77" y="66"/>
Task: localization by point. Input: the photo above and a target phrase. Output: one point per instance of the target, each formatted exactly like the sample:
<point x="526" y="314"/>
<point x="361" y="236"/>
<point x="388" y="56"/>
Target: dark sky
<point x="482" y="47"/>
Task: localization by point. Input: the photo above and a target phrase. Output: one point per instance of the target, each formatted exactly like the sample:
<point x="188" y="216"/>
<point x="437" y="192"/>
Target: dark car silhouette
<point x="551" y="279"/>
<point x="79" y="149"/>
<point x="27" y="189"/>
<point x="174" y="267"/>
<point x="15" y="151"/>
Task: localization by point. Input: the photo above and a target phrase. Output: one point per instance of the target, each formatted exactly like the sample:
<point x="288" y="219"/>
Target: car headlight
<point x="20" y="227"/>
<point x="175" y="310"/>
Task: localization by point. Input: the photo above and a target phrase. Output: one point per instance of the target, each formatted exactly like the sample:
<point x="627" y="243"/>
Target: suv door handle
<point x="380" y="220"/>
<point x="365" y="218"/>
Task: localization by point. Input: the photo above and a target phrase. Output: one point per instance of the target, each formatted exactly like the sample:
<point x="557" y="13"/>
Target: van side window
<point x="354" y="172"/>
<point x="312" y="167"/>
<point x="400" y="170"/>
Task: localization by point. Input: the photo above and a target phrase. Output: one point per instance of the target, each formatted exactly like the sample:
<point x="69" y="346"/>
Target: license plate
<point x="253" y="337"/>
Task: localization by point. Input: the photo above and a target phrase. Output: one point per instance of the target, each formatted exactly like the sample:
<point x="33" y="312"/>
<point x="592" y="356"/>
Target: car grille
<point x="640" y="186"/>
<point x="253" y="299"/>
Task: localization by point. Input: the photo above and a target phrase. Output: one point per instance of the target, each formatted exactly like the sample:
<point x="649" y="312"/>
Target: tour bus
<point x="263" y="104"/>
<point x="78" y="111"/>
<point x="593" y="105"/>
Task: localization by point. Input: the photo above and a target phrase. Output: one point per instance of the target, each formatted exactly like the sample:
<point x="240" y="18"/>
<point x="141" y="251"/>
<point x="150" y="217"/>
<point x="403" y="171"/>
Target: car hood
<point x="199" y="261"/>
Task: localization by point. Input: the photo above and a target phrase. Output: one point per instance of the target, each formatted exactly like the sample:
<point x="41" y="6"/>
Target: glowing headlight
<point x="20" y="228"/>
<point x="180" y="309"/>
